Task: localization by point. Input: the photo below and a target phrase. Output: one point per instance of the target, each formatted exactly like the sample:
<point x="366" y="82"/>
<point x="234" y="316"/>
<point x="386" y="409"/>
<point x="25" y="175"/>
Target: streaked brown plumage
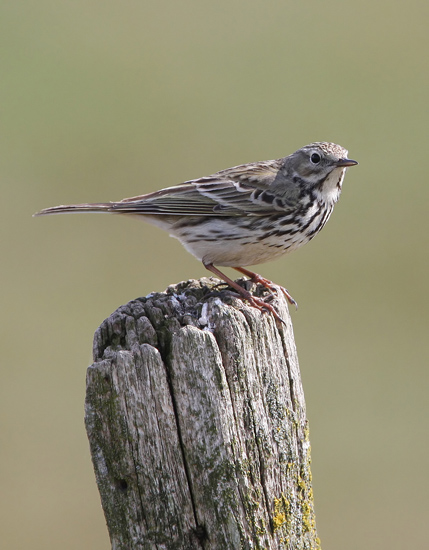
<point x="245" y="215"/>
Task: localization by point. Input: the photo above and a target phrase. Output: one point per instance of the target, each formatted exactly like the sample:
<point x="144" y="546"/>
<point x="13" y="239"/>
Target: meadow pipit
<point x="245" y="215"/>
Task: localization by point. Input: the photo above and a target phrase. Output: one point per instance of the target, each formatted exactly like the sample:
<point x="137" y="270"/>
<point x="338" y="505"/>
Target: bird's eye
<point x="315" y="158"/>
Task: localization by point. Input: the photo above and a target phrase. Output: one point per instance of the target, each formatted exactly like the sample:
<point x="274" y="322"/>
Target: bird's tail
<point x="75" y="208"/>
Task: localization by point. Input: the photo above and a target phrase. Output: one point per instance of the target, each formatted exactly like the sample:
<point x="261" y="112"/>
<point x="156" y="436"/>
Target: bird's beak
<point x="346" y="162"/>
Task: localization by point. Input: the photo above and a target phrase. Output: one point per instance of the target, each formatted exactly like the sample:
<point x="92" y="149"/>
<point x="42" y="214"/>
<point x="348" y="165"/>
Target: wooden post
<point x="195" y="415"/>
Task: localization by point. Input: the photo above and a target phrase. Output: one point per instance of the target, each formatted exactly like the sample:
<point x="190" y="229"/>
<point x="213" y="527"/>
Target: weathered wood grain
<point x="196" y="419"/>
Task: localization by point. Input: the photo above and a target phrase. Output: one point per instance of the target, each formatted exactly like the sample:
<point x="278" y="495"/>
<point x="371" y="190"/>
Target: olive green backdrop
<point x="102" y="100"/>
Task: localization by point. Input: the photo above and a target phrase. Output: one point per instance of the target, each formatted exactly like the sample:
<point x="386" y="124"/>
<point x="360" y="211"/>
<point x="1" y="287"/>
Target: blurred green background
<point x="105" y="100"/>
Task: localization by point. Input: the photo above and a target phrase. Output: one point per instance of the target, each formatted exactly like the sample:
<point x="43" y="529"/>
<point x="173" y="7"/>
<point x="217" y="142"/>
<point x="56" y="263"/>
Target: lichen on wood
<point x="196" y="419"/>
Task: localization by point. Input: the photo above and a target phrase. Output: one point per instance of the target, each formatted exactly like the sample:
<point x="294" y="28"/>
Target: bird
<point x="245" y="215"/>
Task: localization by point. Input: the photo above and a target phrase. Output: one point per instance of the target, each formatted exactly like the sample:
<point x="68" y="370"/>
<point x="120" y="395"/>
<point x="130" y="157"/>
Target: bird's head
<point x="319" y="166"/>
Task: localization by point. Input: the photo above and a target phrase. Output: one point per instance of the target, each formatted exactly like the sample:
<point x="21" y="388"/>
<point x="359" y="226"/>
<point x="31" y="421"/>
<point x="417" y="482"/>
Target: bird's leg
<point x="253" y="301"/>
<point x="255" y="278"/>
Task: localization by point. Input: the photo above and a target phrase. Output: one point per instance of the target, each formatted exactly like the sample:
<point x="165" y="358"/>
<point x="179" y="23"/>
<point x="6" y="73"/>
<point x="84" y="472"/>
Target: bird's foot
<point x="269" y="285"/>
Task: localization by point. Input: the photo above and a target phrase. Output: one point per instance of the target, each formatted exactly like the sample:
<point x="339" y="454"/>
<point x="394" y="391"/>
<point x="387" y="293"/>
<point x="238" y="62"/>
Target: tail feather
<point x="75" y="208"/>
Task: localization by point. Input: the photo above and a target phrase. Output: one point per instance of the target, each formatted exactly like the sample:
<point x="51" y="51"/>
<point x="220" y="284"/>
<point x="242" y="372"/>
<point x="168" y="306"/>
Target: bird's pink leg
<point x="258" y="303"/>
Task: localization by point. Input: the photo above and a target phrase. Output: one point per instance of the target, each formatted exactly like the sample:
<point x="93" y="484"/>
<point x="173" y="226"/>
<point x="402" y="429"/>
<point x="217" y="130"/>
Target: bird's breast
<point x="250" y="240"/>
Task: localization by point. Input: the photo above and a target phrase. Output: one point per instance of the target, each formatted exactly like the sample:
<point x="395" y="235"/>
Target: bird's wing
<point x="241" y="190"/>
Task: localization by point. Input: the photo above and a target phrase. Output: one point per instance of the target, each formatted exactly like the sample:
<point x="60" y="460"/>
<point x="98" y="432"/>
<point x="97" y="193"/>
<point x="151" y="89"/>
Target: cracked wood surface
<point x="196" y="419"/>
